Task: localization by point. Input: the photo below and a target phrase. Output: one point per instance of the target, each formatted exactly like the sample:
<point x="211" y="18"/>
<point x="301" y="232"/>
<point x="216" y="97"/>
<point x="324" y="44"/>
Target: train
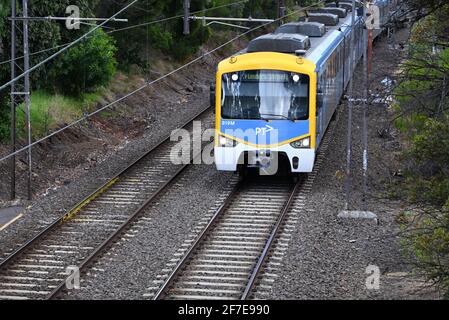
<point x="274" y="100"/>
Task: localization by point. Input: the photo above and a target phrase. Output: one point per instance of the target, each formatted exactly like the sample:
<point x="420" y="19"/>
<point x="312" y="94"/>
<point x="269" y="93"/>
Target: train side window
<point x="320" y="93"/>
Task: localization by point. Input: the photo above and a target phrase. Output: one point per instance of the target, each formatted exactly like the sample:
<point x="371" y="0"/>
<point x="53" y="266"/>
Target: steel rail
<point x="111" y="239"/>
<point x="160" y="294"/>
<point x="197" y="241"/>
<point x="270" y="241"/>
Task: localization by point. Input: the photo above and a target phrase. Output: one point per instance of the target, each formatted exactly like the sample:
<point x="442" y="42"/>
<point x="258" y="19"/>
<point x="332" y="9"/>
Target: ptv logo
<point x="263" y="131"/>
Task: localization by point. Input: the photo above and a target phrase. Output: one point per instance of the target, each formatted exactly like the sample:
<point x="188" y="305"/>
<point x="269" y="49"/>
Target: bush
<point x="159" y="39"/>
<point x="425" y="127"/>
<point x="50" y="111"/>
<point x="185" y="46"/>
<point x="429" y="244"/>
<point x="428" y="155"/>
<point x="432" y="143"/>
<point x="85" y="67"/>
<point x="4" y="108"/>
<point x="433" y="190"/>
<point x="4" y="120"/>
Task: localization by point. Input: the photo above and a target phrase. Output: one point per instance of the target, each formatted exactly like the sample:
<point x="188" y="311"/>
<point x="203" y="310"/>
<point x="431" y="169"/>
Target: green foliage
<point x="422" y="99"/>
<point x="4" y="10"/>
<point x="43" y="35"/>
<point x="425" y="125"/>
<point x="168" y="36"/>
<point x="4" y="73"/>
<point x="185" y="46"/>
<point x="434" y="190"/>
<point x="4" y="121"/>
<point x="50" y="110"/>
<point x="429" y="244"/>
<point x="432" y="143"/>
<point x="162" y="40"/>
<point x="85" y="67"/>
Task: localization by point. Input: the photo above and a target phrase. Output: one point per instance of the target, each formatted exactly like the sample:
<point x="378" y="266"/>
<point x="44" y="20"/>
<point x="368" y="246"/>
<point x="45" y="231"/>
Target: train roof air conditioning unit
<point x="328" y="19"/>
<point x="344" y="5"/>
<point x="311" y="29"/>
<point x="358" y="4"/>
<point x="340" y="12"/>
<point x="281" y="42"/>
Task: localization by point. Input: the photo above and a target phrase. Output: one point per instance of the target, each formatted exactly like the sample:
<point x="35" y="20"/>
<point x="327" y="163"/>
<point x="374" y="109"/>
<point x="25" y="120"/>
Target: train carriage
<point x="275" y="99"/>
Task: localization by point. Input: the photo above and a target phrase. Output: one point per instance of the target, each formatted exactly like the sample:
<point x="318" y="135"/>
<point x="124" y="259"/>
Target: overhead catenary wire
<point x="87" y="116"/>
<point x="176" y="17"/>
<point x="130" y="28"/>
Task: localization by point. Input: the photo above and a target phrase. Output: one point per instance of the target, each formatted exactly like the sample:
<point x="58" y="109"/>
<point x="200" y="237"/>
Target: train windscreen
<point x="265" y="94"/>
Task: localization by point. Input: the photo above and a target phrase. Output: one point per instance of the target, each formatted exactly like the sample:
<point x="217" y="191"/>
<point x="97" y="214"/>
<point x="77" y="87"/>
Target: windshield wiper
<point x="274" y="115"/>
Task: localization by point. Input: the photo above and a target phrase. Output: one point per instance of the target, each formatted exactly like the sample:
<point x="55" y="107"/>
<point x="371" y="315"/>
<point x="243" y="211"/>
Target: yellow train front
<point x="274" y="100"/>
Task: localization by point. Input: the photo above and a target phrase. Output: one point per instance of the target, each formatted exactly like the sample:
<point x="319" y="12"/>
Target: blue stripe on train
<point x="264" y="132"/>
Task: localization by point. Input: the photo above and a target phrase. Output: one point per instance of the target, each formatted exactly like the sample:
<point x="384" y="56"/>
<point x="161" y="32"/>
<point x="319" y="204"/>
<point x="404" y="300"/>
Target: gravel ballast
<point x="130" y="265"/>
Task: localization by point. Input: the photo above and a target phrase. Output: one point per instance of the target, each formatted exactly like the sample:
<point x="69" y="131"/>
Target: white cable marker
<point x="11" y="222"/>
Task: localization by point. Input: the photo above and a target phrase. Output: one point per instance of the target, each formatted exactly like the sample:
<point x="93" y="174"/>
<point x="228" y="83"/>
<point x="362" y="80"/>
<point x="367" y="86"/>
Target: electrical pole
<point x="367" y="37"/>
<point x="26" y="87"/>
<point x="25" y="93"/>
<point x="281" y="9"/>
<point x="350" y="101"/>
<point x="13" y="100"/>
<point x="26" y="55"/>
<point x="186" y="17"/>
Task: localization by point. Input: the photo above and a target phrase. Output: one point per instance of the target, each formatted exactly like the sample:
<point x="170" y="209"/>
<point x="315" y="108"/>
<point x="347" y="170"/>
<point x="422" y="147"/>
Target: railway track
<point x="38" y="269"/>
<point x="226" y="258"/>
<point x="237" y="251"/>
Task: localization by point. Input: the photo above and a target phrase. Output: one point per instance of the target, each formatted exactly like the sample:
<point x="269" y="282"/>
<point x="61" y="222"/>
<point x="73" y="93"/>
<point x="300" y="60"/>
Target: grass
<point x="50" y="111"/>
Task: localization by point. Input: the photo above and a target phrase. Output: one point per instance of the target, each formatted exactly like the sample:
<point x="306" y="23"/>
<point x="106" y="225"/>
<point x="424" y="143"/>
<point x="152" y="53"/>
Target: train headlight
<point x="226" y="142"/>
<point x="301" y="144"/>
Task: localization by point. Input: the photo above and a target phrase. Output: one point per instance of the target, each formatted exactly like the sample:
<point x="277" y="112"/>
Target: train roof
<point x="314" y="37"/>
<point x="321" y="47"/>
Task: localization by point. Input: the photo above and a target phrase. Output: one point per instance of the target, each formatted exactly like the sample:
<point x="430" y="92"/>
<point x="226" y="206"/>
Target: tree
<point x="4" y="75"/>
<point x="43" y="34"/>
<point x="85" y="67"/>
<point x="423" y="101"/>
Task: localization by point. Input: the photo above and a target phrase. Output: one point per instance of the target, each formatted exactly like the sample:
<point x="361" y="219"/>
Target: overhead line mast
<point x="186" y="17"/>
<point x="350" y="109"/>
<point x="227" y="21"/>
<point x="25" y="93"/>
